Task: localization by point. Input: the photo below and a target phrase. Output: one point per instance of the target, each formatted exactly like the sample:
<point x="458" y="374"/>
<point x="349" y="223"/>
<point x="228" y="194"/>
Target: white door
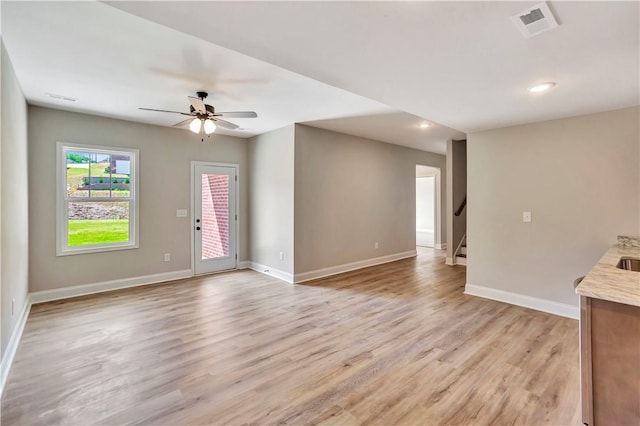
<point x="215" y="218"/>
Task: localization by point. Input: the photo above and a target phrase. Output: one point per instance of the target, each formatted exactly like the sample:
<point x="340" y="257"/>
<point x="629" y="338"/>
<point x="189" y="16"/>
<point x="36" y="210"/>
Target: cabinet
<point x="609" y="362"/>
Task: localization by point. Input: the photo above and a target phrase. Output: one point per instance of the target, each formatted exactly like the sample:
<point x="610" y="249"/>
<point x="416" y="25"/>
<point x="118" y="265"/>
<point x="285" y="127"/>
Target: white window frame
<point x="62" y="216"/>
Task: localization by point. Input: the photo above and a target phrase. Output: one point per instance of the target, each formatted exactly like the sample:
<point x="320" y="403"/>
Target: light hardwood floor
<point x="392" y="344"/>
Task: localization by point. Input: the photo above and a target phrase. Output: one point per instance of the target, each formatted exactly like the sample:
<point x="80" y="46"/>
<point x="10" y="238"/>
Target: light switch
<point x="526" y="216"/>
<point x="181" y="213"/>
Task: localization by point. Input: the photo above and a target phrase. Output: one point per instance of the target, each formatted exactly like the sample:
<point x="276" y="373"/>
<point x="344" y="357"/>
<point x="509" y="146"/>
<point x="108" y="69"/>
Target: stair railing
<point x="458" y="212"/>
<point x="463" y="204"/>
<point x="462" y="241"/>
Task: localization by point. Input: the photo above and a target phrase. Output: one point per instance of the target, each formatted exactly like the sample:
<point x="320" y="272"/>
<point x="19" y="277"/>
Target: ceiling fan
<point x="204" y="118"/>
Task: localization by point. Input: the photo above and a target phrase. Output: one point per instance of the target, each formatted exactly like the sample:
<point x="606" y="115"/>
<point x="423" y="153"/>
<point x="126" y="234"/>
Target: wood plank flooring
<point x="392" y="344"/>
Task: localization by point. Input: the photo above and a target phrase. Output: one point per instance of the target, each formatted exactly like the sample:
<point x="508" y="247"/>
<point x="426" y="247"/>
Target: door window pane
<point x="215" y="216"/>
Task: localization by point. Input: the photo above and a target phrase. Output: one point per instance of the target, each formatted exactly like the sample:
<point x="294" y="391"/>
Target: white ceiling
<point x="461" y="64"/>
<point x="114" y="62"/>
<point x="384" y="126"/>
<point x="372" y="69"/>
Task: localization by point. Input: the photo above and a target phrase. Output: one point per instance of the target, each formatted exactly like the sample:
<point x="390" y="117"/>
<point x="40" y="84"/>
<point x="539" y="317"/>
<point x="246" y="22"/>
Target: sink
<point x="629" y="264"/>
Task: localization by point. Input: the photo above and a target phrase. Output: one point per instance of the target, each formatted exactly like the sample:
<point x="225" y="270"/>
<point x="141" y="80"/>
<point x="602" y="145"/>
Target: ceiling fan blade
<point x="239" y="114"/>
<point x="225" y="124"/>
<point x="198" y="105"/>
<point x="183" y="123"/>
<point x="164" y="110"/>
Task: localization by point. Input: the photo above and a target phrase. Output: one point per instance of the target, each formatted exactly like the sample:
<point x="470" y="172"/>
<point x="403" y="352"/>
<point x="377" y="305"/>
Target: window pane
<point x="91" y="174"/>
<point x="100" y="175"/>
<point x="93" y="223"/>
<point x="78" y="164"/>
<point x="120" y="185"/>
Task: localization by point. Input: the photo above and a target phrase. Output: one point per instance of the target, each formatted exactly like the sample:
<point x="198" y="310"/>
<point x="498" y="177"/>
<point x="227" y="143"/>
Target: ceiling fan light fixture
<point x="195" y="125"/>
<point x="209" y="126"/>
<point x="204" y="118"/>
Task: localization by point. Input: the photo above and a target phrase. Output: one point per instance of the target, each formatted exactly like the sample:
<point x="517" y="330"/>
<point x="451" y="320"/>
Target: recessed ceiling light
<point x="543" y="87"/>
<point x="424" y="125"/>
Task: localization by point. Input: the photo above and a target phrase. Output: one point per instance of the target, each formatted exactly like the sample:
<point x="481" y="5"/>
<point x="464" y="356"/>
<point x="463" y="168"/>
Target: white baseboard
<point x="14" y="341"/>
<point x="543" y="305"/>
<point x="461" y="260"/>
<point x="339" y="269"/>
<point x="244" y="264"/>
<point x="83" y="290"/>
<point x="276" y="273"/>
<point x="450" y="261"/>
<point x="442" y="246"/>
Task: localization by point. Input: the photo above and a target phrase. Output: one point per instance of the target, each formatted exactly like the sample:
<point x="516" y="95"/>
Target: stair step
<point x="462" y="255"/>
<point x="463" y="250"/>
<point x="461" y="260"/>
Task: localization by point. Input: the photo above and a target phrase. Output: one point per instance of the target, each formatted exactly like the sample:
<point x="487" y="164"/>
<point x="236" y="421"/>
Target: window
<point x="97" y="198"/>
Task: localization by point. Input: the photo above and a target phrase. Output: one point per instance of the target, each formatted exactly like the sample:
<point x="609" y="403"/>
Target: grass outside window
<point x="90" y="232"/>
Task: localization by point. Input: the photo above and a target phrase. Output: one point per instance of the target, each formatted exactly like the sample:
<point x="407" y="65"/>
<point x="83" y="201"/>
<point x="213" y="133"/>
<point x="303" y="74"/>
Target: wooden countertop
<point x="605" y="281"/>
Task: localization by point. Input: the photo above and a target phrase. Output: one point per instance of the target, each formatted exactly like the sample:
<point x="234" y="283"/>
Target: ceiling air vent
<point x="535" y="20"/>
<point x="61" y="97"/>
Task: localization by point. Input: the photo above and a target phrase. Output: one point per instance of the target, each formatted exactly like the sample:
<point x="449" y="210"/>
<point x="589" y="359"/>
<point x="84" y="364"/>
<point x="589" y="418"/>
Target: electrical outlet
<point x="167" y="257"/>
<point x="281" y="255"/>
<point x="13" y="306"/>
<point x="181" y="213"/>
<point x="376" y="245"/>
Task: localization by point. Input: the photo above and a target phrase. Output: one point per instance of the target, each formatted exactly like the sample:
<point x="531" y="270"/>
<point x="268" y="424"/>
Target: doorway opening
<point x="428" y="207"/>
<point x="425" y="211"/>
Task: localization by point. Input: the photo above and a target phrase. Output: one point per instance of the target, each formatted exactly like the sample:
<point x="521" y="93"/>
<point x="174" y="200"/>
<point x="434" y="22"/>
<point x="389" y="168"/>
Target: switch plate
<point x="167" y="257"/>
<point x="181" y="213"/>
<point x="281" y="255"/>
<point x="376" y="245"/>
<point x="526" y="216"/>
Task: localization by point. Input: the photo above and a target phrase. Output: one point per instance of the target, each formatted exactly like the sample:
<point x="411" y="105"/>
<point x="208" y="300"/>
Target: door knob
<point x="197" y="228"/>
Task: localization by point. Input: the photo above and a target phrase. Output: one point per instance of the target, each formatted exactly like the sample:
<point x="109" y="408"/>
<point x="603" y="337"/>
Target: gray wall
<point x="14" y="211"/>
<point x="351" y="192"/>
<point x="580" y="179"/>
<point x="165" y="159"/>
<point x="271" y="159"/>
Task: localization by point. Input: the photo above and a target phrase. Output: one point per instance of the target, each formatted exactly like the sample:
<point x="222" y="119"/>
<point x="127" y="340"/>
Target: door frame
<point x="192" y="204"/>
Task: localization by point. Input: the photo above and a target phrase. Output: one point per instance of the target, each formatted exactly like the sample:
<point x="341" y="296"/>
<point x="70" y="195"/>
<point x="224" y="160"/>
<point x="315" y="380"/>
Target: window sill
<point x="88" y="250"/>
